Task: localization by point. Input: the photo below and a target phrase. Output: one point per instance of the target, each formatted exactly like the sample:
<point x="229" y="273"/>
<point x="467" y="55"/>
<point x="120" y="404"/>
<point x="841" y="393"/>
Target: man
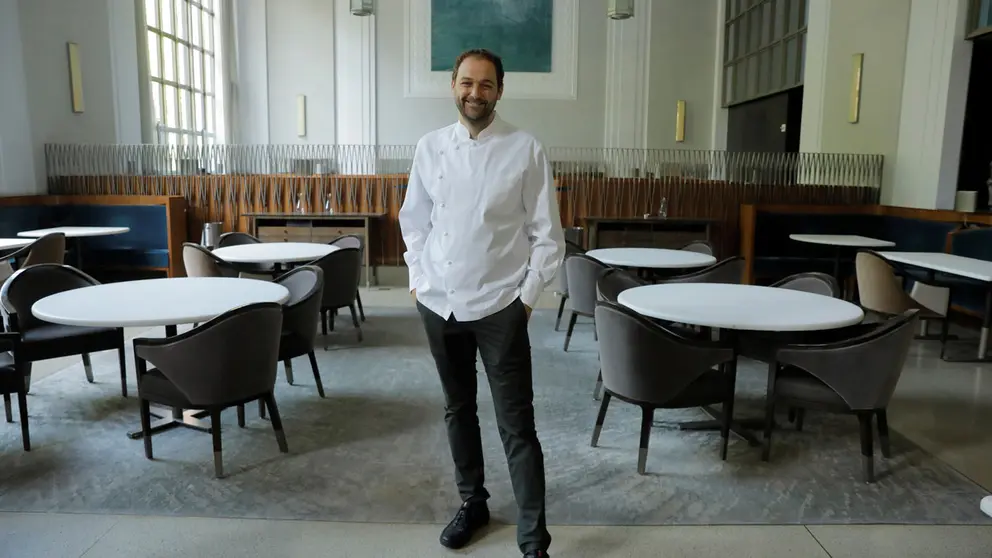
<point x="483" y="236"/>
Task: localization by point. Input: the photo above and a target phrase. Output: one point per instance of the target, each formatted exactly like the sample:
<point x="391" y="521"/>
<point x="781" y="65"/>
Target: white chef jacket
<point x="480" y="221"/>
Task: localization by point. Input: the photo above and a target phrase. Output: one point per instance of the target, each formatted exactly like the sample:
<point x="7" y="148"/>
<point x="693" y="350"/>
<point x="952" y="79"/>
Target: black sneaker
<point x="537" y="554"/>
<point x="470" y="518"/>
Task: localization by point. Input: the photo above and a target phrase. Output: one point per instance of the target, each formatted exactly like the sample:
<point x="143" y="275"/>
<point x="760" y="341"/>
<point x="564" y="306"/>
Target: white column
<point x="628" y="47"/>
<point x="17" y="172"/>
<point x="355" y="84"/>
<point x="124" y="70"/>
<point x="718" y="131"/>
<point x="249" y="90"/>
<point x="815" y="75"/>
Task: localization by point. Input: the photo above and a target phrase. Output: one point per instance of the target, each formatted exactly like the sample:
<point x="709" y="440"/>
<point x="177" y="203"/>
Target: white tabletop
<point x="971" y="268"/>
<point x="274" y="252"/>
<point x="743" y="307"/>
<point x="987" y="505"/>
<point x="8" y="243"/>
<point x="651" y="258"/>
<point x="853" y="240"/>
<point x="75" y="232"/>
<point x="155" y="302"/>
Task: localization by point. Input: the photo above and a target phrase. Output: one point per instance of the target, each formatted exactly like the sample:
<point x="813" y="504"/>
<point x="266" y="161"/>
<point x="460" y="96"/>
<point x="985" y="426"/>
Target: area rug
<point x="375" y="450"/>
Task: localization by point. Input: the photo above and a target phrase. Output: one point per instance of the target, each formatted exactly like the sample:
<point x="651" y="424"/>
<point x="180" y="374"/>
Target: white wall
<point x="838" y="29"/>
<point x="560" y="123"/>
<point x="17" y="173"/>
<point x="683" y="51"/>
<point x="300" y="47"/>
<point x="250" y="89"/>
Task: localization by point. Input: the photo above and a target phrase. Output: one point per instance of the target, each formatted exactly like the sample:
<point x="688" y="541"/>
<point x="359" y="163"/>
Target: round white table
<point x="840" y="242"/>
<point x="157" y="302"/>
<point x="274" y="252"/>
<point x="741" y="307"/>
<point x="10" y="243"/>
<point x="76" y="232"/>
<point x="651" y="258"/>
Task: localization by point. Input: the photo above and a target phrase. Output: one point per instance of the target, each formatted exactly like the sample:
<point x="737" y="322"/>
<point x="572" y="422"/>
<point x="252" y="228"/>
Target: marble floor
<point x="945" y="408"/>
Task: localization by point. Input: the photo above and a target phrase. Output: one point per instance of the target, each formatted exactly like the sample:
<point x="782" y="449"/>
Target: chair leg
<point x="288" y="365"/>
<point x="22" y="409"/>
<point x="88" y="367"/>
<point x="800" y="415"/>
<point x="146" y="426"/>
<point x="323" y="321"/>
<point x="600" y="418"/>
<point x="599" y="385"/>
<point x="647" y="416"/>
<point x="766" y="449"/>
<point x="261" y="408"/>
<point x="945" y="327"/>
<point x="316" y="373"/>
<point x="571" y="328"/>
<point x="270" y="402"/>
<point x="561" y="310"/>
<point x="354" y="320"/>
<point x="241" y="415"/>
<point x="595" y="332"/>
<point x="361" y="309"/>
<point x="122" y="357"/>
<point x="728" y="417"/>
<point x="883" y="433"/>
<point x="218" y="455"/>
<point x="867" y="454"/>
<point x="7" y="407"/>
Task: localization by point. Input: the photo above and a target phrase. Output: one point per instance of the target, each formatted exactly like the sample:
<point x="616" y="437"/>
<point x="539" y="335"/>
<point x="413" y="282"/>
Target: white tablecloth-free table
<point x="741" y="307"/>
<point x="157" y="302"/>
<point x="961" y="266"/>
<point x="651" y="258"/>
<point x="849" y="240"/>
<point x="76" y="232"/>
<point x="10" y="243"/>
<point x="274" y="252"/>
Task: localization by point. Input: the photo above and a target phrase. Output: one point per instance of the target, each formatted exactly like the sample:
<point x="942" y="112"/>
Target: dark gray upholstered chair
<point x="562" y="278"/>
<point x="353" y="241"/>
<point x="42" y="340"/>
<point x="239" y="239"/>
<point x="730" y="270"/>
<point x="856" y="375"/>
<point x="301" y="314"/>
<point x="880" y="289"/>
<point x="583" y="272"/>
<point x="653" y="367"/>
<point x="13" y="381"/>
<point x="227" y="361"/>
<point x="612" y="282"/>
<point x="342" y="274"/>
<point x="699" y="246"/>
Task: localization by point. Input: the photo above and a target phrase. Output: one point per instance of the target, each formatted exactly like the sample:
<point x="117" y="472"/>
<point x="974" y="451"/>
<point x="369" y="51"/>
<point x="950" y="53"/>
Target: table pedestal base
<point x="173" y="418"/>
<point x="740" y="428"/>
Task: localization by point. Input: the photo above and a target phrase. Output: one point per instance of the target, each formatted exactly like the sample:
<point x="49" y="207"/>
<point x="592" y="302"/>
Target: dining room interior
<point x="768" y="336"/>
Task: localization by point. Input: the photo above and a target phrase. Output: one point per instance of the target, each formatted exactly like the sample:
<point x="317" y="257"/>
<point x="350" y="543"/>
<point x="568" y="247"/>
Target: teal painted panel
<point x="519" y="31"/>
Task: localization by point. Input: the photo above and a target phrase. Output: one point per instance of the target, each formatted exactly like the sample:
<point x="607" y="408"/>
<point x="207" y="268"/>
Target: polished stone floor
<point x="944" y="408"/>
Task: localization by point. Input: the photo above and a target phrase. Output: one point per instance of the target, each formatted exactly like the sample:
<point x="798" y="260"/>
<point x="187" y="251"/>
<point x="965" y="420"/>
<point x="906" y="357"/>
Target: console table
<point x="647" y="232"/>
<point x="321" y="228"/>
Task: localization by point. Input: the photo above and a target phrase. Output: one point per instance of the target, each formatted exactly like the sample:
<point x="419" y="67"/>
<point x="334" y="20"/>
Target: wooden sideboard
<point x="653" y="232"/>
<point x="321" y="228"/>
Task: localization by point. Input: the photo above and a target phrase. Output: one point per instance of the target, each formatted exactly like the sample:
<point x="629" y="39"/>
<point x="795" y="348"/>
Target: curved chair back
<point x="811" y="282"/>
<point x="862" y="370"/>
<point x="31" y="284"/>
<point x="562" y="277"/>
<point x="647" y="363"/>
<point x="342" y="274"/>
<point x="348" y="241"/>
<point x="878" y="287"/>
<point x="614" y="281"/>
<point x="49" y="249"/>
<point x="229" y="359"/>
<point x="236" y="239"/>
<point x="200" y="262"/>
<point x="300" y="314"/>
<point x="699" y="246"/>
<point x="583" y="272"/>
<point x="730" y="270"/>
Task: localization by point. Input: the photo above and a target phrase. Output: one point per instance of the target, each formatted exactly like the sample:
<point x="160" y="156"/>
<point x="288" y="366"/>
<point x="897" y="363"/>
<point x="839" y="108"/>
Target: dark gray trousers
<point x="502" y="341"/>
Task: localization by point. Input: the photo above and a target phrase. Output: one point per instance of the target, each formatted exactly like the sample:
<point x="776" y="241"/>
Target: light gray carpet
<point x="375" y="450"/>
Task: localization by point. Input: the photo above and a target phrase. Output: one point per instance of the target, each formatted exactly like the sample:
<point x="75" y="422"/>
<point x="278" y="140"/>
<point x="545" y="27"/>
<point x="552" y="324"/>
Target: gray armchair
<point x="342" y="274"/>
<point x="583" y="272"/>
<point x="41" y="340"/>
<point x="353" y="241"/>
<point x="300" y="315"/>
<point x="225" y="362"/>
<point x="652" y="367"/>
<point x="200" y="262"/>
<point x="730" y="270"/>
<point x="856" y="375"/>
<point x="48" y="249"/>
<point x="612" y="282"/>
<point x="571" y="248"/>
<point x="13" y="381"/>
<point x="699" y="246"/>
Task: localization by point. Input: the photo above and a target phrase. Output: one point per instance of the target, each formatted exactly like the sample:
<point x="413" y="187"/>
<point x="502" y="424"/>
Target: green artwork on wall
<point x="519" y="31"/>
